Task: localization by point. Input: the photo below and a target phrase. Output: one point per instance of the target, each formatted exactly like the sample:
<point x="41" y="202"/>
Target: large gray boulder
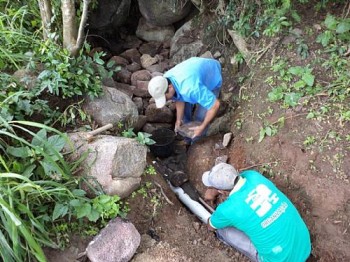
<point x="181" y="49"/>
<point x="165" y="12"/>
<point x="150" y="32"/>
<point x="113" y="163"/>
<point x="109" y="14"/>
<point x="117" y="242"/>
<point x="112" y="107"/>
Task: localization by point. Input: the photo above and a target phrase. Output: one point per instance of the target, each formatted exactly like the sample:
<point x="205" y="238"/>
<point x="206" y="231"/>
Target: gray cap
<point x="222" y="176"/>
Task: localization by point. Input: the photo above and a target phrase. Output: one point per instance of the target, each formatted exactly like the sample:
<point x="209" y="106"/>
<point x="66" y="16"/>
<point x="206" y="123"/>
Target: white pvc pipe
<point x="194" y="206"/>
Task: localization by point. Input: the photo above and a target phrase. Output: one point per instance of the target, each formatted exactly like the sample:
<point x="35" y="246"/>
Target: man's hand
<point x="197" y="130"/>
<point x="209" y="116"/>
<point x="177" y="126"/>
<point x="211" y="194"/>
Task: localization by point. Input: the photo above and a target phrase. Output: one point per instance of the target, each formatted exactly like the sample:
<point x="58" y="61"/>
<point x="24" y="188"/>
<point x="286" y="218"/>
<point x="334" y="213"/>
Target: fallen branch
<point x="265" y="49"/>
<point x="346" y="12"/>
<point x="206" y="205"/>
<point x="289" y="117"/>
<point x="256" y="165"/>
<point x="164" y="195"/>
<point x="241" y="44"/>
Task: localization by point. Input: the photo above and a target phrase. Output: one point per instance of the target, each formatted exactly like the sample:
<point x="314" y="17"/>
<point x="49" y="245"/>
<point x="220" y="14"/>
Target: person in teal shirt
<point x="195" y="81"/>
<point x="256" y="218"/>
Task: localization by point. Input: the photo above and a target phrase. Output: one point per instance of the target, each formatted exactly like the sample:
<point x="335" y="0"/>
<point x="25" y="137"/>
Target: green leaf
<point x="60" y="210"/>
<point x="309" y="79"/>
<point x="296" y="17"/>
<point x="75" y="203"/>
<point x="83" y="210"/>
<point x="11" y="214"/>
<point x="261" y="135"/>
<point x="330" y="22"/>
<point x="99" y="61"/>
<point x="268" y="131"/>
<point x="275" y="95"/>
<point x="57" y="142"/>
<point x="110" y="64"/>
<point x="299" y="84"/>
<point x="21" y="152"/>
<point x="310" y="115"/>
<point x="343" y="27"/>
<point x="40" y="137"/>
<point x="296" y="70"/>
<point x="325" y="38"/>
<point x="103" y="199"/>
<point x="292" y="99"/>
<point x="93" y="215"/>
<point x="79" y="192"/>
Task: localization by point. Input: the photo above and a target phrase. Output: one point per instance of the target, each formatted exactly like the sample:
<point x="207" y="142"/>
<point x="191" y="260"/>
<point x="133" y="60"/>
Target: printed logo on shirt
<point x="279" y="211"/>
<point x="277" y="249"/>
<point x="261" y="199"/>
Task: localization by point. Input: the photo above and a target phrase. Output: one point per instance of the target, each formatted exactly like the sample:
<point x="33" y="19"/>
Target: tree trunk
<point x="46" y="16"/>
<point x="73" y="38"/>
<point x="69" y="24"/>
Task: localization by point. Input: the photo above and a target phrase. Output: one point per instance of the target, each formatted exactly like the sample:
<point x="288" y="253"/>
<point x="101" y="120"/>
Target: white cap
<point x="222" y="176"/>
<point x="157" y="88"/>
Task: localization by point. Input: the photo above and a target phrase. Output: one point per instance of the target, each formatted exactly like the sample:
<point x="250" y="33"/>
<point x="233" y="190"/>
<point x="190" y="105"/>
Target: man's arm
<point x="180" y="109"/>
<point x="211" y="113"/>
<point x="209" y="225"/>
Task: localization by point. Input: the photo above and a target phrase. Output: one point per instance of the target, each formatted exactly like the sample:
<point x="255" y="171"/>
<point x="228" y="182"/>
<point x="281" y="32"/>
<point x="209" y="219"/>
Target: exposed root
<point x="164" y="195"/>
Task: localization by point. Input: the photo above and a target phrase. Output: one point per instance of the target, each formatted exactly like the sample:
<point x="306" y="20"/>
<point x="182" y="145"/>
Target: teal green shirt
<point x="267" y="217"/>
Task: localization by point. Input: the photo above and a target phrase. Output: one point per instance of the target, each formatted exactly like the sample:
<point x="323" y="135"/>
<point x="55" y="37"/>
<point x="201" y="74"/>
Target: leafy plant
<point x="302" y="48"/>
<point x="17" y="103"/>
<point x="239" y="58"/>
<point x="310" y="140"/>
<point x="270" y="129"/>
<point x="70" y="76"/>
<point x="291" y="93"/>
<point x="37" y="190"/>
<point x="129" y="133"/>
<point x="72" y="114"/>
<point x="150" y="170"/>
<point x="145" y="138"/>
<point x="338" y="32"/>
<point x="141" y="137"/>
<point x="276" y="26"/>
<point x="250" y="18"/>
<point x="16" y="36"/>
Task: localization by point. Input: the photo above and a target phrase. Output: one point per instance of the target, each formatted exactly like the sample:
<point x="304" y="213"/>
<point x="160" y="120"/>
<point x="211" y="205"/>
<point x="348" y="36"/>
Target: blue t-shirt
<point x="195" y="79"/>
<point x="267" y="217"/>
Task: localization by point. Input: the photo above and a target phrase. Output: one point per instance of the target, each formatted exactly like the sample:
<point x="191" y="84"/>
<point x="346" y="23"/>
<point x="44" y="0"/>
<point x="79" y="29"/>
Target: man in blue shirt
<point x="256" y="218"/>
<point x="195" y="81"/>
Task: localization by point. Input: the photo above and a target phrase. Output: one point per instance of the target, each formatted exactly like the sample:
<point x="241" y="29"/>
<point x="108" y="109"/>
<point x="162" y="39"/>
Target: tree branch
<point x="83" y="20"/>
<point x="73" y="38"/>
<point x="241" y="44"/>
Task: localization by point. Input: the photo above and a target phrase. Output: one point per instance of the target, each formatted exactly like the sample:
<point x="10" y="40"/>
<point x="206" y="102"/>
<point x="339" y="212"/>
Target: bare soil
<point x="315" y="178"/>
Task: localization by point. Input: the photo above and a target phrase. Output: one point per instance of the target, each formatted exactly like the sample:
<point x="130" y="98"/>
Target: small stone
<point x="217" y="54"/>
<point x="196" y="226"/>
<point x="227" y="139"/>
<point x="221" y="159"/>
<point x="218" y="146"/>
